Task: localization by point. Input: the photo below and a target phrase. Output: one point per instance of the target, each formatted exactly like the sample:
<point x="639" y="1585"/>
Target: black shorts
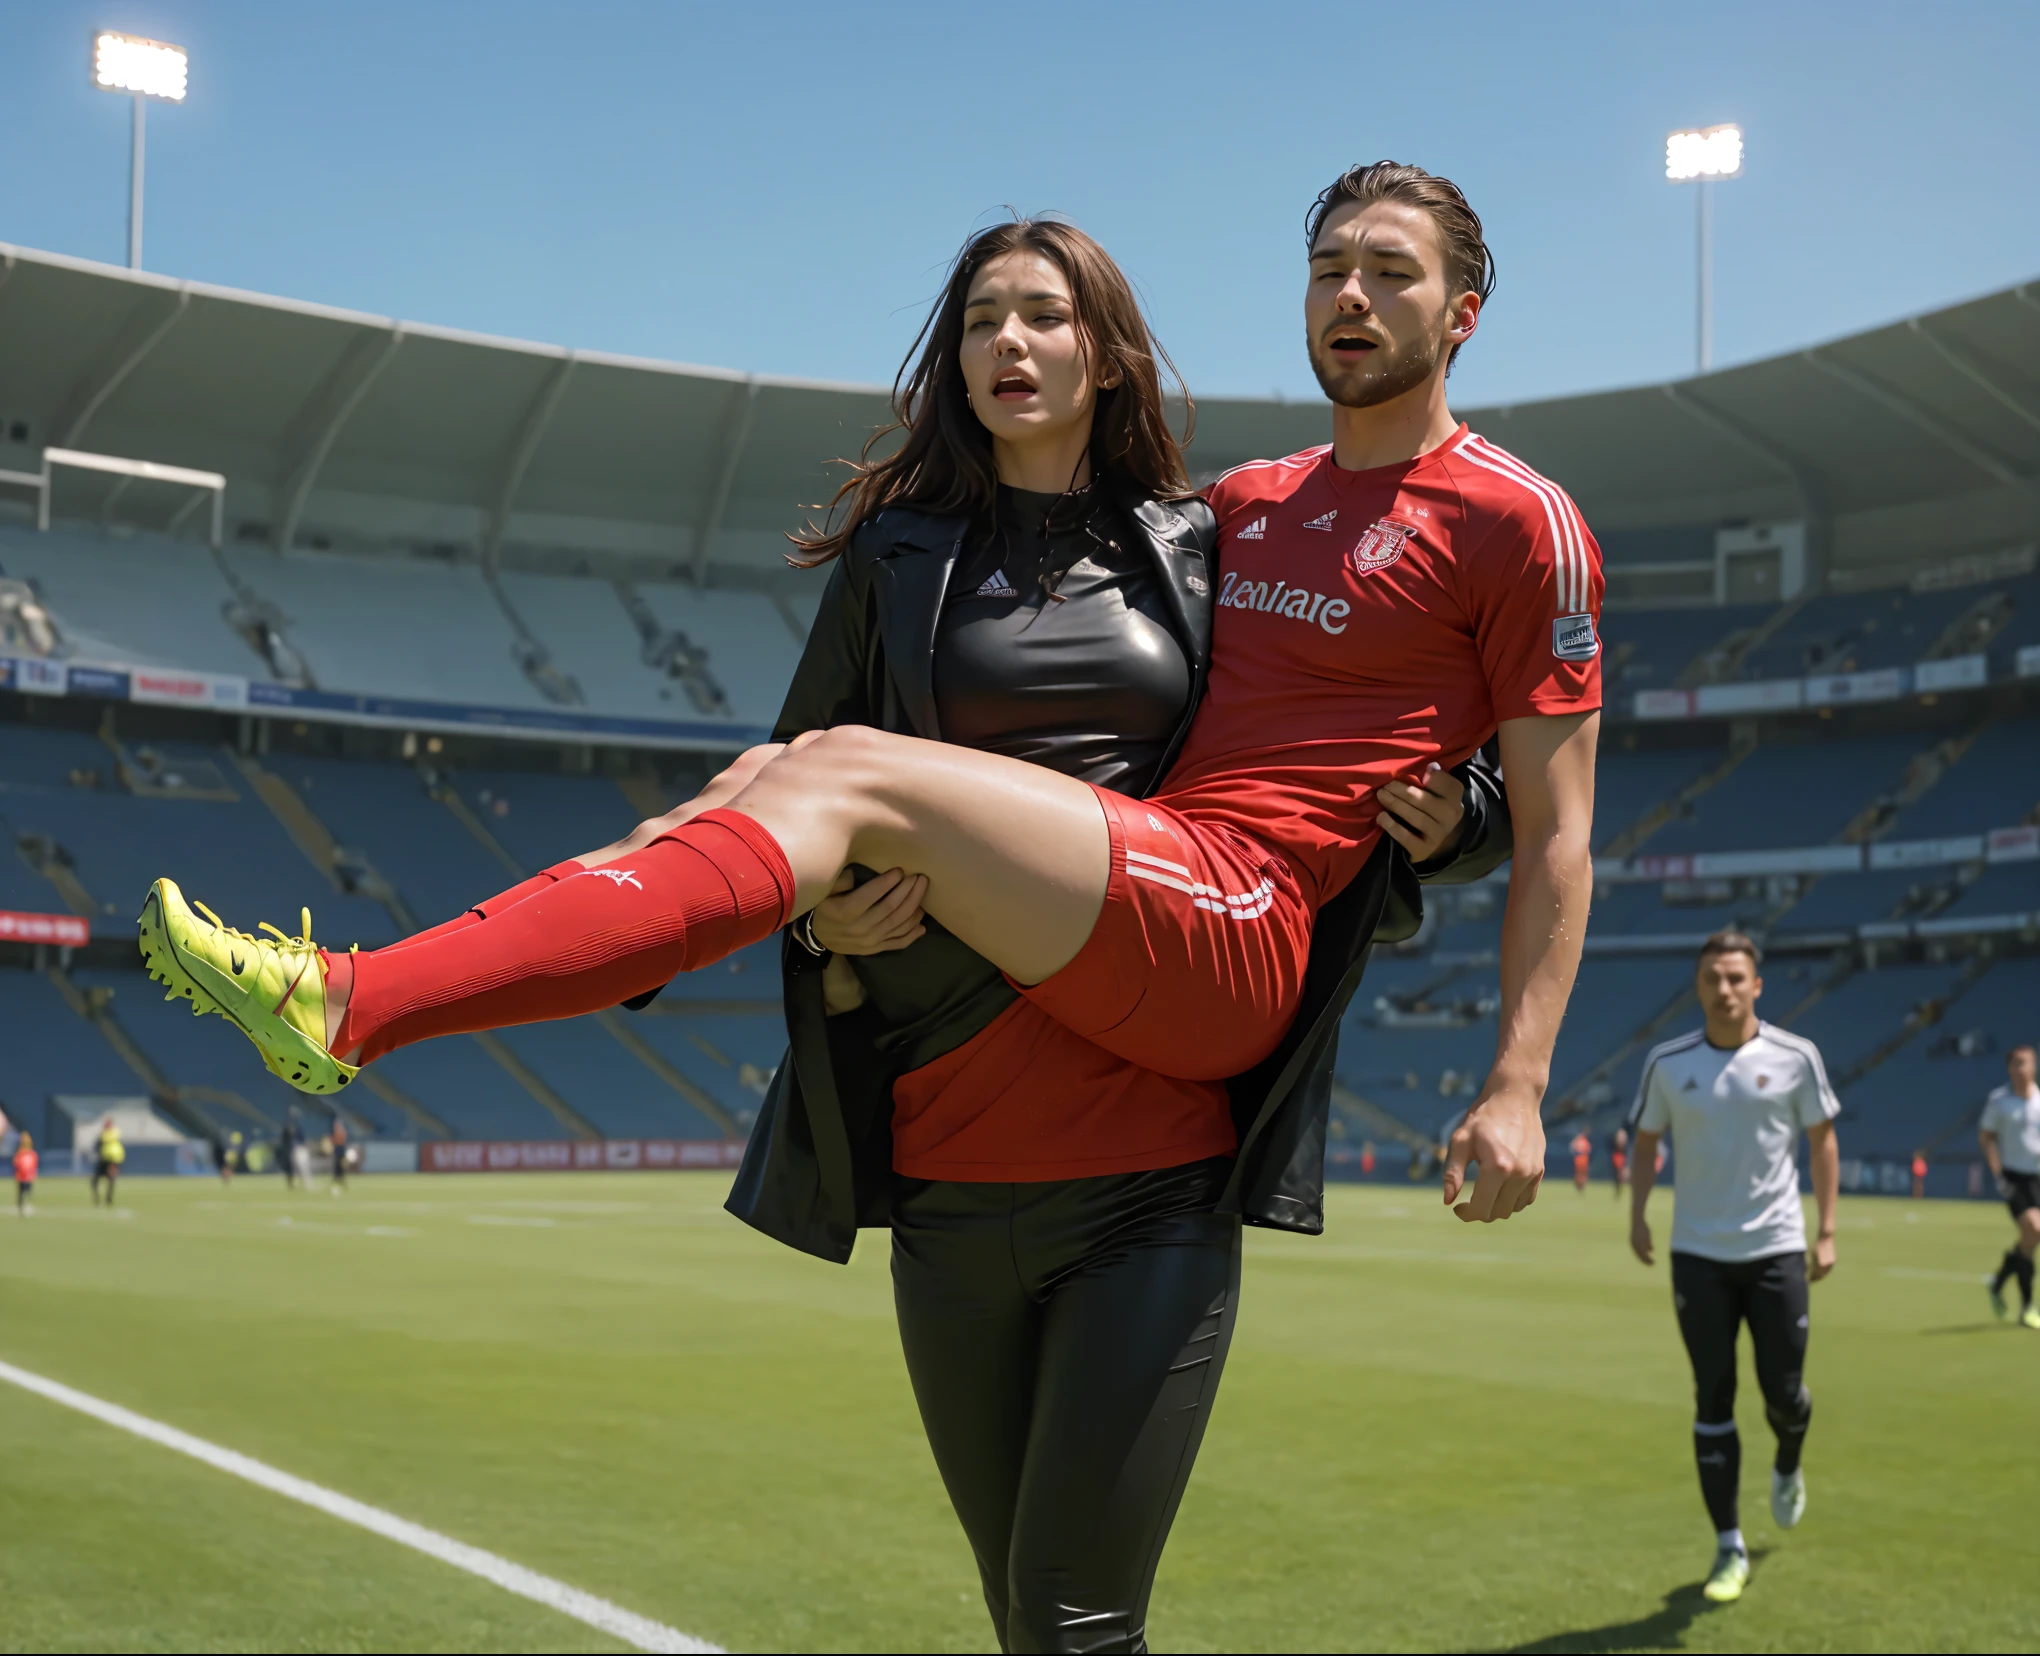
<point x="2022" y="1192"/>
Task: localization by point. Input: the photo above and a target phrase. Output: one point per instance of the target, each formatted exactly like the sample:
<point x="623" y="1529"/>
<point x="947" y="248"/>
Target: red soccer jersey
<point x="1369" y="622"/>
<point x="25" y="1164"/>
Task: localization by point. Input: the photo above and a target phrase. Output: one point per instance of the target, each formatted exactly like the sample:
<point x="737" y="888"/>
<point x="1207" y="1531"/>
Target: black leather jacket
<point x="819" y="1163"/>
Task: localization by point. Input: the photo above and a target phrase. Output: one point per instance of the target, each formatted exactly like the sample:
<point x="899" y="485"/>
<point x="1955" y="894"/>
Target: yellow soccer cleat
<point x="1731" y="1573"/>
<point x="273" y="991"/>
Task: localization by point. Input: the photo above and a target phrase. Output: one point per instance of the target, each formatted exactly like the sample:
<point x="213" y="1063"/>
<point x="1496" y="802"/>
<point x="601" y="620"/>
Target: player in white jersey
<point x="2011" y="1144"/>
<point x="1734" y="1097"/>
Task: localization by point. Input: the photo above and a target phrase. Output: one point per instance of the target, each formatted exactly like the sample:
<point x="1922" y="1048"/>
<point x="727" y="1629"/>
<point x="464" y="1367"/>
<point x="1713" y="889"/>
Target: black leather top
<point x="1055" y="645"/>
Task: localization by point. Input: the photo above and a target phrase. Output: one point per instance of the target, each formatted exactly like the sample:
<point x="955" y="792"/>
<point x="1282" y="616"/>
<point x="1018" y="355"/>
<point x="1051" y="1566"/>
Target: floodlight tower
<point x="146" y="69"/>
<point x="1700" y="157"/>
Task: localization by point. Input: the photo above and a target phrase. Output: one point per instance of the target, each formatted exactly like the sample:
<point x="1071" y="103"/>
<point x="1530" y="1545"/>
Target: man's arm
<point x="1642" y="1176"/>
<point x="1989" y="1141"/>
<point x="1548" y="764"/>
<point x="1824" y="1162"/>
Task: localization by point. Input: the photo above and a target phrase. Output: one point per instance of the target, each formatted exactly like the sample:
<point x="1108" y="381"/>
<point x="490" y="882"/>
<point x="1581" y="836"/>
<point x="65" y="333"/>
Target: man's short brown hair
<point x="1471" y="265"/>
<point x="1731" y="941"/>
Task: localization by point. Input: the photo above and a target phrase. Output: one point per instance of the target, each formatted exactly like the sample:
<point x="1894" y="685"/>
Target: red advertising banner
<point x="71" y="930"/>
<point x="576" y="1155"/>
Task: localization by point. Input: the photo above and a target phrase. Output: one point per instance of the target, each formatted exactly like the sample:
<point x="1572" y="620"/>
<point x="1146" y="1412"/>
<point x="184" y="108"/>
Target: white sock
<point x="1732" y="1541"/>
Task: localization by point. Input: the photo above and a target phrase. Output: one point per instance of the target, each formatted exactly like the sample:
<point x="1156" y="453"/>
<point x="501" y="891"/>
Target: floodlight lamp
<point x="147" y="68"/>
<point x="1711" y="152"/>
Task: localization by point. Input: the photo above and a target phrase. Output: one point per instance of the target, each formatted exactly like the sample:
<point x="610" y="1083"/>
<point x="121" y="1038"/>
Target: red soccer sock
<point x="538" y="882"/>
<point x="586" y="942"/>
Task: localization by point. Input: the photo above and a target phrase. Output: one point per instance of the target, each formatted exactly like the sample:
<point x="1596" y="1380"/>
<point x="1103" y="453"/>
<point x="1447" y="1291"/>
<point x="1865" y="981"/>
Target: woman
<point x="1049" y="617"/>
<point x="1030" y="576"/>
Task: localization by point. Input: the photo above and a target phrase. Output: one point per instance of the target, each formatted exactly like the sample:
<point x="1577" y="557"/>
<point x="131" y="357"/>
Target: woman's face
<point x="1023" y="357"/>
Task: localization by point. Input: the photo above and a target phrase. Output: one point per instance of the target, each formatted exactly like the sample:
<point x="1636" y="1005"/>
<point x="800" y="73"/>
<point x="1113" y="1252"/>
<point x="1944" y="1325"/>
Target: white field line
<point x="638" y="1631"/>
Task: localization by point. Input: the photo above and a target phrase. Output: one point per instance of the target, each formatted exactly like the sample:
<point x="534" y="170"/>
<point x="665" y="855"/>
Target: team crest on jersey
<point x="1573" y="638"/>
<point x="1379" y="547"/>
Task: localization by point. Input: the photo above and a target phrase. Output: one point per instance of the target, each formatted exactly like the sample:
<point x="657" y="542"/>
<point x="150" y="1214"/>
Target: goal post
<point x="204" y="486"/>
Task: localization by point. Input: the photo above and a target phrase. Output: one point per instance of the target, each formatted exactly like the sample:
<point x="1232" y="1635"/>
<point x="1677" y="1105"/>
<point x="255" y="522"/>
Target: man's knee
<point x="1714" y="1400"/>
<point x="1791" y="1412"/>
<point x="837" y="763"/>
<point x="741" y="771"/>
<point x="840" y="745"/>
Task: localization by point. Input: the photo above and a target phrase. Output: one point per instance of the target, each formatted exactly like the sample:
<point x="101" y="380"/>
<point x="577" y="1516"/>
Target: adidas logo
<point x="1257" y="530"/>
<point x="997" y="586"/>
<point x="1325" y="522"/>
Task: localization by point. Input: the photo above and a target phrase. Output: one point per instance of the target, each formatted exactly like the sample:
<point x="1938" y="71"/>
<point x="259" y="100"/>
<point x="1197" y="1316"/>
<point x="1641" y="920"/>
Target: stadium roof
<point x="334" y="426"/>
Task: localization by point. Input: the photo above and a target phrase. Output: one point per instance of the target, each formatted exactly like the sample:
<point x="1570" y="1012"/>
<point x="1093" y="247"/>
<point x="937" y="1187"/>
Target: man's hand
<point x="1820" y="1258"/>
<point x="1503" y="1134"/>
<point x="1424" y="819"/>
<point x="1639" y="1240"/>
<point x="877" y="917"/>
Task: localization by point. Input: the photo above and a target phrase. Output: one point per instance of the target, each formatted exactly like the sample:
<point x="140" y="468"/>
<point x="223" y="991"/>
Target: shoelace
<point x="289" y="942"/>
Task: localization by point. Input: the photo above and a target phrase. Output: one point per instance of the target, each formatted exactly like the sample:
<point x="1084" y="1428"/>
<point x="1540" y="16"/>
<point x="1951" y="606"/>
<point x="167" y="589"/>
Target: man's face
<point x="2020" y="1067"/>
<point x="1379" y="312"/>
<point x="1728" y="986"/>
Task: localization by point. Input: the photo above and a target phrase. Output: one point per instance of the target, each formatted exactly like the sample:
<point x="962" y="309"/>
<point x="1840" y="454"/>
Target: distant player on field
<point x="1734" y="1097"/>
<point x="1618" y="1159"/>
<point x="1582" y="1160"/>
<point x="26" y="1163"/>
<point x="2011" y="1144"/>
<point x="108" y="1155"/>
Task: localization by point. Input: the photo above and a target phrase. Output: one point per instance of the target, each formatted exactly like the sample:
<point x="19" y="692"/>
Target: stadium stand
<point x="415" y="629"/>
<point x="1790" y="795"/>
<point x="480" y="604"/>
<point x="1995" y="782"/>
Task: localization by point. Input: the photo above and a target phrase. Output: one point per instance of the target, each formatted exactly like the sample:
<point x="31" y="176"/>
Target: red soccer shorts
<point x="1195" y="966"/>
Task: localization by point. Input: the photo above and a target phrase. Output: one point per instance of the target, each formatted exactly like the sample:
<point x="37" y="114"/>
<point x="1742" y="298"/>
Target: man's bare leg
<point x="1017" y="856"/>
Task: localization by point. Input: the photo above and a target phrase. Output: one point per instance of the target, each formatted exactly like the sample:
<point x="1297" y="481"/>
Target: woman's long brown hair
<point x="944" y="464"/>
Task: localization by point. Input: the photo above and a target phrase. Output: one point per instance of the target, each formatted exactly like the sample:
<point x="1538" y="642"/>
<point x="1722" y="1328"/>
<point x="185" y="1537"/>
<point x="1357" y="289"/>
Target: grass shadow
<point x="1663" y="1629"/>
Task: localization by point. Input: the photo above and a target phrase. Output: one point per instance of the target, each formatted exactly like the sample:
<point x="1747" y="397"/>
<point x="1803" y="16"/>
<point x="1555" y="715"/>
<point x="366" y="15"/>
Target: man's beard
<point x="1385" y="377"/>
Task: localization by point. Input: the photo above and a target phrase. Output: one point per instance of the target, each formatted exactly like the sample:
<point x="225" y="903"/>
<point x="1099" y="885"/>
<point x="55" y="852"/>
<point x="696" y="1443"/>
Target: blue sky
<point x="777" y="186"/>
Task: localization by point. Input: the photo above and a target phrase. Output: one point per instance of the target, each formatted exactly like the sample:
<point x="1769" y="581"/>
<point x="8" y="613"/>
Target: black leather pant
<point x="1065" y="1342"/>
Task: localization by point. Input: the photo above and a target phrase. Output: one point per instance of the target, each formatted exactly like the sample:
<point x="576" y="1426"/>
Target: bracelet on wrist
<point x="804" y="934"/>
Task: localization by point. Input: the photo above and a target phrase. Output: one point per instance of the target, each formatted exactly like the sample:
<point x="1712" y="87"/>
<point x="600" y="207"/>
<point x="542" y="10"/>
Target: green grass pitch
<point x="1432" y="1436"/>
